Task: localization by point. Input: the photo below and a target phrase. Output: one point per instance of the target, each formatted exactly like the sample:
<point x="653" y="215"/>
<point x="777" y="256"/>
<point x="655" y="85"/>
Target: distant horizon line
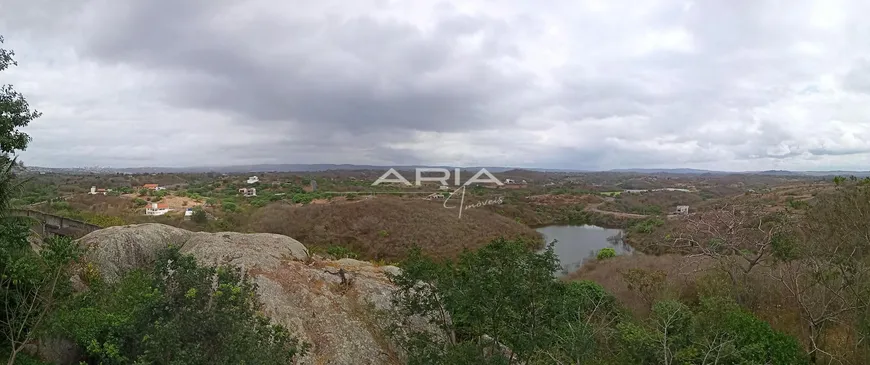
<point x="348" y="166"/>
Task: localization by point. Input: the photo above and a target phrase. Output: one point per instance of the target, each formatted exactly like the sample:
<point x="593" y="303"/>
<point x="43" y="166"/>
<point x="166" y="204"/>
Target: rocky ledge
<point x="339" y="307"/>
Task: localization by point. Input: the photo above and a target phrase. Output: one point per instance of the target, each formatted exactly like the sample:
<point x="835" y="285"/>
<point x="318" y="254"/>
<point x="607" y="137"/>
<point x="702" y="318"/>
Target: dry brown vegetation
<point x="654" y="202"/>
<point x="804" y="269"/>
<point x="633" y="280"/>
<point x="681" y="276"/>
<point x="102" y="204"/>
<point x="386" y="227"/>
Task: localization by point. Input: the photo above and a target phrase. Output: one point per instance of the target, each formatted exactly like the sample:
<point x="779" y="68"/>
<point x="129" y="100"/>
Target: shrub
<point x="341" y="252"/>
<point x="606" y="253"/>
<point x="195" y="315"/>
<point x="228" y="206"/>
<point x="199" y="216"/>
<point x="103" y="220"/>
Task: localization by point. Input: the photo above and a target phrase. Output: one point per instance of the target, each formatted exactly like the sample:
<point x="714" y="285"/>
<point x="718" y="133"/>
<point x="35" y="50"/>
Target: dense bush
<point x="175" y="313"/>
<point x="199" y="216"/>
<point x="718" y="330"/>
<point x="31" y="283"/>
<point x="646" y="226"/>
<point x="502" y="304"/>
<point x="606" y="253"/>
<point x="502" y="295"/>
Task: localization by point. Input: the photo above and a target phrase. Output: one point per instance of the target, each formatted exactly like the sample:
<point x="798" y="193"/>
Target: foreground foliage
<point x="502" y="305"/>
<point x="32" y="284"/>
<point x="176" y="313"/>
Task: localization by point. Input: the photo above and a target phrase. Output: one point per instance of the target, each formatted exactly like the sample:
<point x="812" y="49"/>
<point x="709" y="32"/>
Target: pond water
<point x="576" y="244"/>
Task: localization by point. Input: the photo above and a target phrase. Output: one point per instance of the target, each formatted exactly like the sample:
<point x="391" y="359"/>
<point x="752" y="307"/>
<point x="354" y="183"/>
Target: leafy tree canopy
<point x="15" y="112"/>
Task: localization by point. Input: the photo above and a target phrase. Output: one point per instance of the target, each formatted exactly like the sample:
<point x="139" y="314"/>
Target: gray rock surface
<point x="304" y="294"/>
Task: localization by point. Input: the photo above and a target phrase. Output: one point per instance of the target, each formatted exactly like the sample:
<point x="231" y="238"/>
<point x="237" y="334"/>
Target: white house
<point x="188" y="213"/>
<point x="248" y="192"/>
<point x="253" y="180"/>
<point x="444" y="187"/>
<point x="682" y="209"/>
<point x="510" y="181"/>
<point x="95" y="191"/>
<point x="157" y="209"/>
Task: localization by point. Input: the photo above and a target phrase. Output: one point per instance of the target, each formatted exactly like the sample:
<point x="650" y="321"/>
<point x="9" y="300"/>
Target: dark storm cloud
<point x="358" y="74"/>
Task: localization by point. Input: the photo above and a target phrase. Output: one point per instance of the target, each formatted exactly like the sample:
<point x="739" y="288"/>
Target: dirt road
<point x="594" y="208"/>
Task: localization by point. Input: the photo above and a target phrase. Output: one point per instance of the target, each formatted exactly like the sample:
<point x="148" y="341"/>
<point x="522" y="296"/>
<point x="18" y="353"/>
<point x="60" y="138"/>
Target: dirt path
<point x="594" y="208"/>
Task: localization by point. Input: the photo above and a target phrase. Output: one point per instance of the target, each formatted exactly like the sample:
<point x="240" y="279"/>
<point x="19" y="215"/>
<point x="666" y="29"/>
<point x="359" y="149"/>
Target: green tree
<point x="178" y="312"/>
<point x="199" y="216"/>
<point x="31" y="284"/>
<point x="499" y="304"/>
<point x="229" y="206"/>
<point x="15" y="112"/>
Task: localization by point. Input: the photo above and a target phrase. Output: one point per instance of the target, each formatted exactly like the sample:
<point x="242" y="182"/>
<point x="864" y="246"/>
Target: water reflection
<point x="576" y="244"/>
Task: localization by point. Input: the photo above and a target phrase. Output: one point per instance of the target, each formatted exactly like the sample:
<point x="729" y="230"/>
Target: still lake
<point x="575" y="244"/>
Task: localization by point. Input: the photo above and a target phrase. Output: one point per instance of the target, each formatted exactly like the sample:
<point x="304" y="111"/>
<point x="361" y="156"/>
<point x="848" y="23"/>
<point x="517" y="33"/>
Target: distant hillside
<point x="234" y="169"/>
<point x="386" y="227"/>
<point x="668" y="171"/>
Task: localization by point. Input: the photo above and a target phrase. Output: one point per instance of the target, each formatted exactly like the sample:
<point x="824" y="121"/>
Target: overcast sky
<point x="726" y="85"/>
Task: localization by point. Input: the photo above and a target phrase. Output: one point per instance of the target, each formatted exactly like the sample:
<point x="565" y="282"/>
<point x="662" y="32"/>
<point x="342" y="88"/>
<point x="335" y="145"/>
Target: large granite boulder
<point x="343" y="322"/>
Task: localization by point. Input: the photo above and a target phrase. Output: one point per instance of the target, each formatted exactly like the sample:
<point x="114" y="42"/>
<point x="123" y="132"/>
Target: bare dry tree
<point x="737" y="238"/>
<point x="827" y="276"/>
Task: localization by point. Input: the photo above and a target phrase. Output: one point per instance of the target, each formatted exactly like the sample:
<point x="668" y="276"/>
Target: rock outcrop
<point x="312" y="297"/>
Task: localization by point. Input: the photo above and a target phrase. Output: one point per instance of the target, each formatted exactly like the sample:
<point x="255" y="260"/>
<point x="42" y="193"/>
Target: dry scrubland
<point x="795" y="256"/>
<point x="386" y="227"/>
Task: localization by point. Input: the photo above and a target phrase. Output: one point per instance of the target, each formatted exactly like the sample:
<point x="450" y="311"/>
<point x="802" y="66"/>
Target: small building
<point x="248" y="192"/>
<point x="157" y="209"/>
<point x="95" y="191"/>
<point x="188" y="213"/>
<point x="510" y="181"/>
<point x="683" y="209"/>
<point x="253" y="180"/>
<point x="444" y="188"/>
<point x="151" y="186"/>
<point x="435" y="196"/>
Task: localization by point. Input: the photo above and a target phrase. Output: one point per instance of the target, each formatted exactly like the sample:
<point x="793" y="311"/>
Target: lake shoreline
<point x="575" y="244"/>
